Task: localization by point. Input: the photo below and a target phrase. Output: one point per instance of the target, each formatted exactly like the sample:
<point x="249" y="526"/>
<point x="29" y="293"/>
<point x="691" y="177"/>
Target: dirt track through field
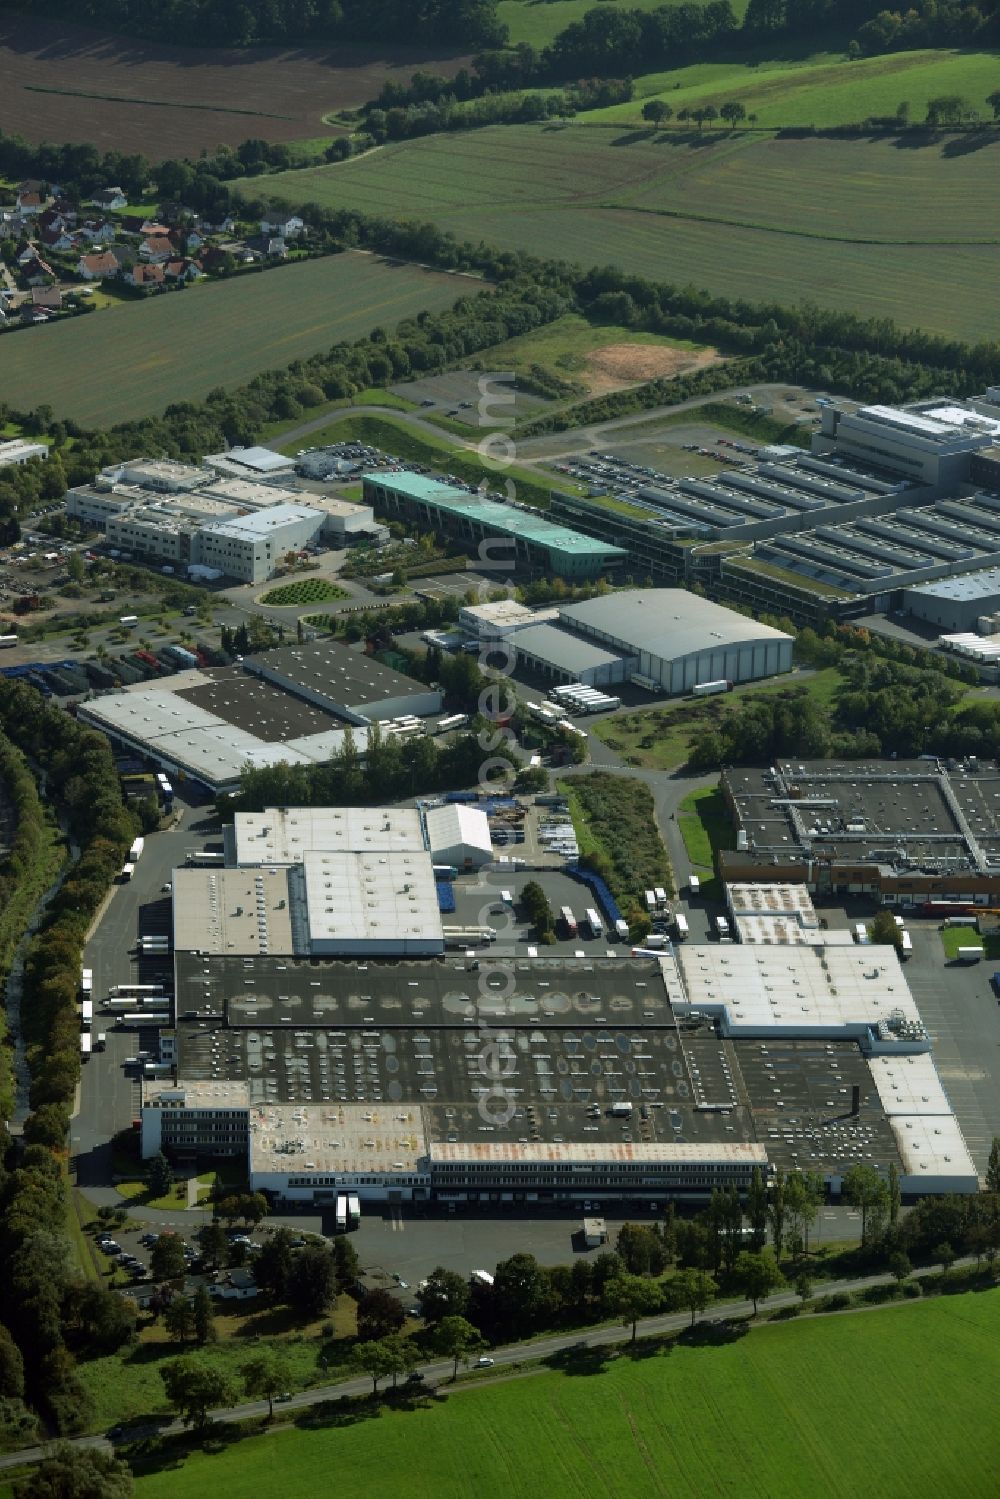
<point x="278" y="94"/>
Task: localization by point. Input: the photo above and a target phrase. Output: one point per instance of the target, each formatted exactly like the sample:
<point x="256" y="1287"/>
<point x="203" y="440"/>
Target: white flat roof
<point x="787" y="931"/>
<point x="284" y="835"/>
<point x="772" y="900"/>
<point x="261" y="522"/>
<point x="260" y="459"/>
<point x="909" y="1085"/>
<point x="826" y="990"/>
<point x="496" y="612"/>
<point x="932" y="1146"/>
<point x="235" y="911"/>
<point x="386" y="899"/>
<point x="299" y="1139"/>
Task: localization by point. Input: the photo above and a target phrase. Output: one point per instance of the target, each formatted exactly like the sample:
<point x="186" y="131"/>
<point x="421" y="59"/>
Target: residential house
<point x="49" y="298"/>
<point x="157" y="250"/>
<point x="145" y="276"/>
<point x="290" y="228"/>
<point x="154" y="227"/>
<point x="222" y="226"/>
<point x="56" y="239"/>
<point x="110" y="199"/>
<point x="37" y="272"/>
<point x="96" y="266"/>
<point x="32" y="315"/>
<point x="97" y="231"/>
<point x="267" y="247"/>
<point x="182" y="270"/>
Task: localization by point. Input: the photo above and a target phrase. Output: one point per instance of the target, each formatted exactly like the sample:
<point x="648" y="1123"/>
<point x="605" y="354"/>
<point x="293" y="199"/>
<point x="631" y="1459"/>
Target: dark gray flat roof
<point x="271" y="713"/>
<point x="342" y="675"/>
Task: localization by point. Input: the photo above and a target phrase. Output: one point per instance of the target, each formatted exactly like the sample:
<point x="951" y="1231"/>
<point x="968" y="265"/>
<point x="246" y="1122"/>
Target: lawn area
<point x="305" y="591"/>
<point x="394" y="436"/>
<point x="824" y="89"/>
<point x="603" y="194"/>
<point x="954" y="937"/>
<point x="109" y="368"/>
<point x="704" y="823"/>
<point x="821" y="1408"/>
<point x="659" y="738"/>
<point x="127" y="1384"/>
<point x="597" y="356"/>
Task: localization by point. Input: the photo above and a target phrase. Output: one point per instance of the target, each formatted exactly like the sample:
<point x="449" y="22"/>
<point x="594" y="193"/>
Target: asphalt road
<point x="440" y="1371"/>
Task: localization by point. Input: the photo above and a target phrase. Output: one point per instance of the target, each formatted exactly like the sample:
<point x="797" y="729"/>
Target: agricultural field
<point x="137" y="359"/>
<point x="824" y="89"/>
<point x="304" y="591"/>
<point x="743" y="214"/>
<point x="65" y="83"/>
<point x="599" y="357"/>
<point x="822" y="1407"/>
<point x="538" y="21"/>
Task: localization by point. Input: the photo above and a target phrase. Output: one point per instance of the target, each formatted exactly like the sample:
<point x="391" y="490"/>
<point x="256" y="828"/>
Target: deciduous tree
<point x="195" y="1385"/>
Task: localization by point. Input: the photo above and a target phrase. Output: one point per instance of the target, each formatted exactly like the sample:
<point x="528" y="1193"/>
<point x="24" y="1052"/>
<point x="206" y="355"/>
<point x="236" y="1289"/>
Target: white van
<point x="861" y="934"/>
<point x="905" y="945"/>
<point x="694" y="885"/>
<point x="681" y="926"/>
<point x="661" y="895"/>
<point x="722" y="928"/>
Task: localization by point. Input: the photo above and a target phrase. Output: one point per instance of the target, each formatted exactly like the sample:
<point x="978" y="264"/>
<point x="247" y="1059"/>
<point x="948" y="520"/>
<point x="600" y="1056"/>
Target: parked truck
<point x="707" y="689"/>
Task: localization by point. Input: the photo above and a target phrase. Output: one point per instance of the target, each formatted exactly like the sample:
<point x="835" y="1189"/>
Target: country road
<point x="440" y="1371"/>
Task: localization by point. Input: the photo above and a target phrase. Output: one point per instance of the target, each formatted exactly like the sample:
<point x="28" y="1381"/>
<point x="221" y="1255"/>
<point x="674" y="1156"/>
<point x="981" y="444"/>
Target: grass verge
<point x="396" y="437"/>
<point x="615" y="825"/>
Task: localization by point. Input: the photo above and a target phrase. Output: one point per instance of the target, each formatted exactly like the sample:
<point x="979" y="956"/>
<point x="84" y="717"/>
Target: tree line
<point x="443" y="24"/>
<point x="881" y="708"/>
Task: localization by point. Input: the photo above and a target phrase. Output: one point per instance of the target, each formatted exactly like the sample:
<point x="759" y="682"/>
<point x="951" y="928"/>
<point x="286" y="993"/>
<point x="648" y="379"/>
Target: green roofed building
<point x="506" y="537"/>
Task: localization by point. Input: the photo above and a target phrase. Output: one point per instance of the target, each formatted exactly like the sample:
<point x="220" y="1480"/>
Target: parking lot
<point x="622" y="472"/>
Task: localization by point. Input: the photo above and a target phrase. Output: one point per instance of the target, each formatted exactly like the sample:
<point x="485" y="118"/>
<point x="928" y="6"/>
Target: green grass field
<point x="659" y="738"/>
<point x="304" y="591"/>
<point x="909" y="234"/>
<point x="538" y="21"/>
<point x="954" y="937"/>
<point x="820" y="1408"/>
<point x="825" y="89"/>
<point x="137" y="359"/>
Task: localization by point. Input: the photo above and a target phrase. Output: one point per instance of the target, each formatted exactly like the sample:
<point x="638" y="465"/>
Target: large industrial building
<point x="670" y="638"/>
<point x="325" y="1037"/>
<point x="228" y="518"/>
<point x="509" y="538"/>
<point x="298" y="707"/>
<point x="629" y="1079"/>
<point x="900" y="831"/>
<point x="889" y="500"/>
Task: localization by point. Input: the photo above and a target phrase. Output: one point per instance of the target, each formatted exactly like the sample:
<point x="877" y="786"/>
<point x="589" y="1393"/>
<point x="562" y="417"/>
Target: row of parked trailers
<point x="73" y="678"/>
<point x="577" y="697"/>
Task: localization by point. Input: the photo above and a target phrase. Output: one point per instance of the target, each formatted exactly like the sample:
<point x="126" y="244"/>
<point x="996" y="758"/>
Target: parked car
<point x="485" y="1363"/>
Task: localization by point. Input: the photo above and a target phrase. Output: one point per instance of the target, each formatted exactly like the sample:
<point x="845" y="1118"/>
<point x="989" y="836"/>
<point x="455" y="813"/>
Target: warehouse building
<point x="510" y="538"/>
<point x="683" y="1072"/>
<point x="675" y="639"/>
<point x="550" y="651"/>
<point x="209" y="723"/>
<point x="349" y="683"/>
<point x="955" y="605"/>
<point x="899" y="831"/>
<point x="284" y="835"/>
<point x="459" y="835"/>
<point x="781" y="914"/>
